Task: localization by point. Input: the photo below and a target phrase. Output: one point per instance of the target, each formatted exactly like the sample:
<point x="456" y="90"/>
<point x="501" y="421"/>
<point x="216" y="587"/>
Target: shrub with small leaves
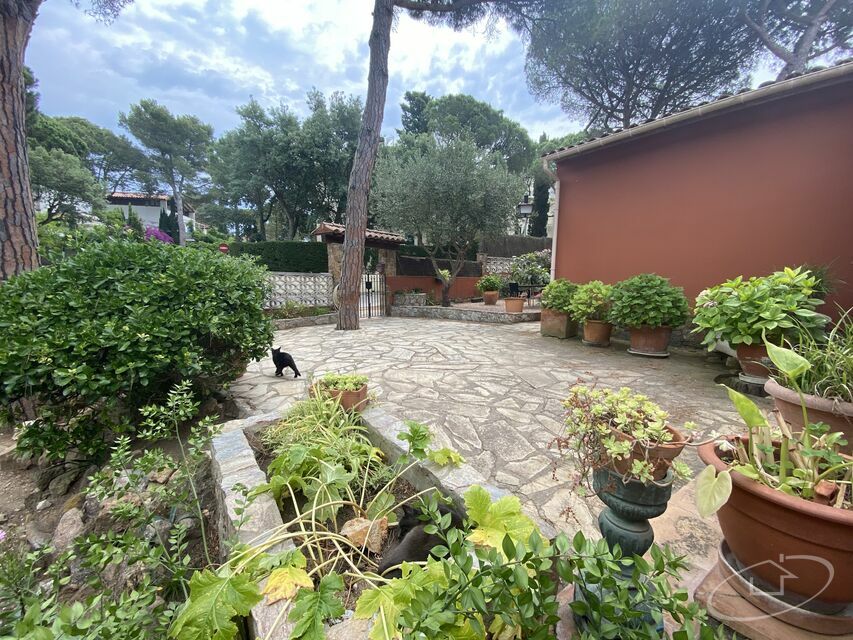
<point x="100" y="334"/>
<point x="648" y="300"/>
<point x="489" y="282"/>
<point x="591" y="302"/>
<point x="558" y="294"/>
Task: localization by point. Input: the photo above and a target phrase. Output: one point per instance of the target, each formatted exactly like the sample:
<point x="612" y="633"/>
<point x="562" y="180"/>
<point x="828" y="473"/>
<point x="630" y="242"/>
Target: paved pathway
<point x="492" y="392"/>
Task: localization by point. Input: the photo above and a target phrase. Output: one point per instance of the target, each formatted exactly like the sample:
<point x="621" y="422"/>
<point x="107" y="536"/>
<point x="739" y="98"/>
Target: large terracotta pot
<point x="753" y="360"/>
<point x="838" y="415"/>
<point x="490" y="297"/>
<point x="514" y="305"/>
<point x="597" y="333"/>
<point x="350" y="400"/>
<point x="650" y="341"/>
<point x="660" y="456"/>
<point x="772" y="534"/>
<point x="557" y="324"/>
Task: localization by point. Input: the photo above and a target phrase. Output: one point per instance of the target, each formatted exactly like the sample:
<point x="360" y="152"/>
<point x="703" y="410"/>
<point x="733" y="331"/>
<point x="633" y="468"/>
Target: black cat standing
<point x="281" y="360"/>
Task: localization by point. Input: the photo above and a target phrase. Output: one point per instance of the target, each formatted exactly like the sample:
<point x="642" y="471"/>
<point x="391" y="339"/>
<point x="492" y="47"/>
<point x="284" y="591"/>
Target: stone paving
<point x="493" y="392"/>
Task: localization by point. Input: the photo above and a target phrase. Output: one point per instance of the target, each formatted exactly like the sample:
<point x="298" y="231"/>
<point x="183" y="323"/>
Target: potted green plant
<point x="590" y="306"/>
<point x="744" y="312"/>
<point x="787" y="494"/>
<point x="649" y="307"/>
<point x="824" y="392"/>
<point x="490" y="286"/>
<point x="350" y="389"/>
<point x="556" y="320"/>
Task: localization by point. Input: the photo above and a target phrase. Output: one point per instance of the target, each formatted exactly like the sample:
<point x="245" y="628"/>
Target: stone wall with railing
<point x="309" y="289"/>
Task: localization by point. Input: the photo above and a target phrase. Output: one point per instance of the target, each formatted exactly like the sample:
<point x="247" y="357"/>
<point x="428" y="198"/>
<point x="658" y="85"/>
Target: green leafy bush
<point x="532" y="268"/>
<point x="296" y="257"/>
<point x="775" y="306"/>
<point x="489" y="282"/>
<point x="648" y="300"/>
<point x="100" y="334"/>
<point x="591" y="302"/>
<point x="558" y="295"/>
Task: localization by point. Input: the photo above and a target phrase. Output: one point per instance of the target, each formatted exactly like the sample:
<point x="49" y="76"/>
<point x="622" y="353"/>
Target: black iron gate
<point x="372" y="303"/>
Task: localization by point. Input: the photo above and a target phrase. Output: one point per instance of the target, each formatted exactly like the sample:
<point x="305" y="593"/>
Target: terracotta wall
<point x="747" y="192"/>
<point x="462" y="287"/>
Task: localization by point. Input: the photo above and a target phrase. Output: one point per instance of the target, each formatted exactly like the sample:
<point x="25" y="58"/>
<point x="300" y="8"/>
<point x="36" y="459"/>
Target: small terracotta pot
<point x="838" y="415"/>
<point x="660" y="456"/>
<point x="650" y="341"/>
<point x="514" y="305"/>
<point x="557" y="324"/>
<point x="753" y="360"/>
<point x="762" y="525"/>
<point x="597" y="333"/>
<point x="490" y="297"/>
<point x="350" y="400"/>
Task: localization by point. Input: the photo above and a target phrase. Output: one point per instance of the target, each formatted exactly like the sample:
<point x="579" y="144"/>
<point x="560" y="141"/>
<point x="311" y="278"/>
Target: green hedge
<point x="296" y="257"/>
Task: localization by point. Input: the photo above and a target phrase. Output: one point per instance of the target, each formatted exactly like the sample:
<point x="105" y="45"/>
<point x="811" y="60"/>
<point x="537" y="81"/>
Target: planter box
<point x="557" y="324"/>
<point x="410" y="299"/>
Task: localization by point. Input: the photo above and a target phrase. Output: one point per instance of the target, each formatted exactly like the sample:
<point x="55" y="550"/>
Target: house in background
<point x="743" y="185"/>
<point x="148" y="206"/>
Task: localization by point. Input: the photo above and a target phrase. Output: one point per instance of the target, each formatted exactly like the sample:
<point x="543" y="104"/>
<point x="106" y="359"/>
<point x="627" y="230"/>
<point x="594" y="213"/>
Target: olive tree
<point x="447" y="191"/>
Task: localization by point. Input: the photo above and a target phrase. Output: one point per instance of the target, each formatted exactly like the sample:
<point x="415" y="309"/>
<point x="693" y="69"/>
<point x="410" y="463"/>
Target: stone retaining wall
<point x="466" y="315"/>
<point x="309" y="321"/>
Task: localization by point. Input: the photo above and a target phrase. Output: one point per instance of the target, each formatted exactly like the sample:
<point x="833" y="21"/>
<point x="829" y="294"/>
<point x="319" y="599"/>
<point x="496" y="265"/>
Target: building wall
<point x="743" y="193"/>
<point x="461" y="289"/>
<point x="150" y="216"/>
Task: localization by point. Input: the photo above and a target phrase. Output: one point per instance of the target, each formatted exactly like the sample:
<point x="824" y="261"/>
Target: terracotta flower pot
<point x="350" y="400"/>
<point x="514" y="305"/>
<point x="650" y="341"/>
<point x="490" y="297"/>
<point x="753" y="360"/>
<point x="838" y="415"/>
<point x="597" y="333"/>
<point x="557" y="324"/>
<point x="660" y="456"/>
<point x="762" y="525"/>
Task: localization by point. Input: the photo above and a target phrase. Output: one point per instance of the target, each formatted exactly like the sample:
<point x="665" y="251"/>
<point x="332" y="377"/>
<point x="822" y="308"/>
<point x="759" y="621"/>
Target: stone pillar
<point x="389" y="258"/>
<point x="336" y="256"/>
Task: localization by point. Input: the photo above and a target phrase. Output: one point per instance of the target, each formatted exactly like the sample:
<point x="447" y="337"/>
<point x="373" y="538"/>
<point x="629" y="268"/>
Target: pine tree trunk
<point x="179" y="214"/>
<point x="362" y="168"/>
<point x="18" y="237"/>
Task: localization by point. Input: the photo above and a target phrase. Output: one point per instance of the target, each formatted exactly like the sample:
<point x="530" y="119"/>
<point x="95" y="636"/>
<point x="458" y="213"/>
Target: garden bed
<point x="307" y="321"/>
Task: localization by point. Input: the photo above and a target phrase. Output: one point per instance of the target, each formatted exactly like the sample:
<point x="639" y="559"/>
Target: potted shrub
<point x="744" y="312"/>
<point x="556" y="318"/>
<point x="824" y="392"/>
<point x="590" y="306"/>
<point x="490" y="286"/>
<point x="788" y="494"/>
<point x="350" y="389"/>
<point x="649" y="307"/>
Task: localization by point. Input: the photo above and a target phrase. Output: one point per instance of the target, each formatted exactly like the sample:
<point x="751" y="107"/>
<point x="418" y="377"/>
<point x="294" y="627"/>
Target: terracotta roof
<point x="133" y="195"/>
<point x="336" y="232"/>
<point x="766" y="91"/>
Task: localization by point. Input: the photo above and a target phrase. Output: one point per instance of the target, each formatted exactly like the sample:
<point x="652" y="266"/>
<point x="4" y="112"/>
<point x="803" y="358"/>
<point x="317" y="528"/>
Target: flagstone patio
<point x="493" y="392"/>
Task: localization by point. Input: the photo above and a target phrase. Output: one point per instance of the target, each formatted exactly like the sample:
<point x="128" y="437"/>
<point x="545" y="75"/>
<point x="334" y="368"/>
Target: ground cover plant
<point x="94" y="337"/>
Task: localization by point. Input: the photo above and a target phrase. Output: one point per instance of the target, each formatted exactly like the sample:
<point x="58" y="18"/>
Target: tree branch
<point x="774" y="47"/>
<point x="438" y="7"/>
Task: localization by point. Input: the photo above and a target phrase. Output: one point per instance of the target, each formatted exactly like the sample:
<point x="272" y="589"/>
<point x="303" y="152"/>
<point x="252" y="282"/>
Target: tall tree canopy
<point x="18" y="239"/>
<point x="458" y="115"/>
<point x="413" y="114"/>
<point x="177" y="148"/>
<point x="450" y="191"/>
<point x="798" y="31"/>
<point x="62" y="183"/>
<point x="619" y="62"/>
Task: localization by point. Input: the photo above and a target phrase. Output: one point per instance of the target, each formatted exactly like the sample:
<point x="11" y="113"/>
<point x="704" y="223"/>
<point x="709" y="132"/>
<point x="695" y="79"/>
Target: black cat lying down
<point x="415" y="543"/>
<point x="281" y="360"/>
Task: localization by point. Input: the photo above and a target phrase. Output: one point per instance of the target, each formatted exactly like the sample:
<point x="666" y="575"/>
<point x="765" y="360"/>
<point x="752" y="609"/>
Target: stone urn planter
<point x="754" y="361"/>
<point x="491" y="297"/>
<point x="514" y="305"/>
<point x="557" y="324"/>
<point x="350" y="400"/>
<point x="761" y="525"/>
<point x="838" y="415"/>
<point x="410" y="299"/>
<point x="597" y="333"/>
<point x="650" y="341"/>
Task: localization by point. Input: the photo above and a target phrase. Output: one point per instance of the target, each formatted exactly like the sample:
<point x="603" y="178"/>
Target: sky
<point x="206" y="57"/>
